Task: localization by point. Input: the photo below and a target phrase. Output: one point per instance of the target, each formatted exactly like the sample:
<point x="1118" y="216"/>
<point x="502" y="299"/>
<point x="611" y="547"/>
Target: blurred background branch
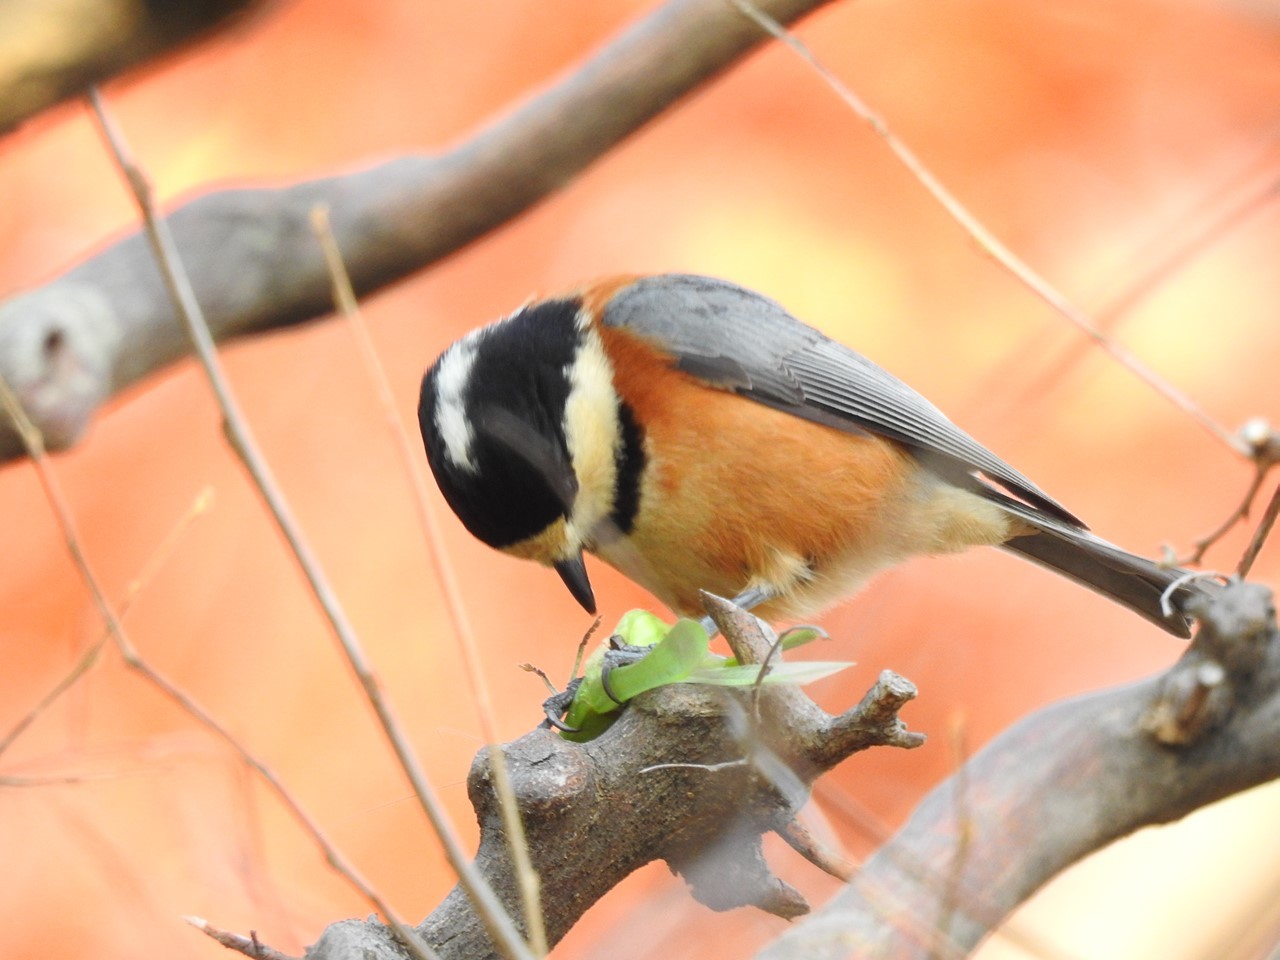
<point x="69" y="345"/>
<point x="54" y="50"/>
<point x="1060" y="785"/>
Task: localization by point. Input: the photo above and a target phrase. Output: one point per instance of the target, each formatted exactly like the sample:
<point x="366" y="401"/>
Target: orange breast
<point x="738" y="494"/>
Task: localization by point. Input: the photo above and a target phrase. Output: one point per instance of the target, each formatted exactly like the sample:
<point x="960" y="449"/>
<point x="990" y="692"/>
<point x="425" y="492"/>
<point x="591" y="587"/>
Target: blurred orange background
<point x="1095" y="138"/>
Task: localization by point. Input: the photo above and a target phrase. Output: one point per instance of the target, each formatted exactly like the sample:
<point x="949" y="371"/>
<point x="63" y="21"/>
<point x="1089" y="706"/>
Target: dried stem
<point x="1260" y="535"/>
<point x="411" y="459"/>
<point x="90" y="656"/>
<point x="241" y="439"/>
<point x="250" y="946"/>
<point x="1240" y="513"/>
<point x="62" y="514"/>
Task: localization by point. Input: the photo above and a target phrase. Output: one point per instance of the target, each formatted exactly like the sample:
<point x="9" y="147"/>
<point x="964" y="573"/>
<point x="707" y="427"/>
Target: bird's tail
<point x="1130" y="581"/>
<point x="1147" y="588"/>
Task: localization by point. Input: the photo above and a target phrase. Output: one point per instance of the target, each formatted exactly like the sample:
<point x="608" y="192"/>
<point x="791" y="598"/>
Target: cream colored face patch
<point x="592" y="431"/>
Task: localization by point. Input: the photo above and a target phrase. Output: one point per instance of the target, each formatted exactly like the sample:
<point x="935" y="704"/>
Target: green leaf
<point x="679" y="653"/>
<point x="640" y="628"/>
<point x="671" y="660"/>
<point x="795" y="637"/>
<point x="744" y="675"/>
<point x="675" y="652"/>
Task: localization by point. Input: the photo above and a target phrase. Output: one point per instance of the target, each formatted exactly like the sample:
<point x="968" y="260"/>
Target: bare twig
<point x="1169" y="264"/>
<point x="90" y="656"/>
<point x="62" y="514"/>
<point x="78" y="669"/>
<point x="986" y="240"/>
<point x="541" y="675"/>
<point x="1260" y="535"/>
<point x="581" y="652"/>
<point x="55" y="780"/>
<point x="1241" y="512"/>
<point x="250" y="946"/>
<point x="411" y="459"/>
<point x="241" y="439"/>
<point x="1262" y="445"/>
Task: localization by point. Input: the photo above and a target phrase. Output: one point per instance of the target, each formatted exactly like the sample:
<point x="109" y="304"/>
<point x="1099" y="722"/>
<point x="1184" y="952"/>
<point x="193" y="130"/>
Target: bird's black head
<point x="492" y="417"/>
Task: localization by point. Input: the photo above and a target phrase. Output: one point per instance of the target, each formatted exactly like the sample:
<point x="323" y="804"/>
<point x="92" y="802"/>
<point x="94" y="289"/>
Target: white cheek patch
<point x="452" y="377"/>
<point x="592" y="431"/>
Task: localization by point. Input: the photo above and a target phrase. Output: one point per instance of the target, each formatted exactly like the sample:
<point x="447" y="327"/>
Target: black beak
<point x="574" y="574"/>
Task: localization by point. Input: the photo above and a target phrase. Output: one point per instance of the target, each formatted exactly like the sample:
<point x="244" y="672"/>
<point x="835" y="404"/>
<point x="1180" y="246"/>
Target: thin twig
<point x="1262" y="443"/>
<point x="582" y="647"/>
<point x="66" y="524"/>
<point x="1239" y="514"/>
<point x="344" y="296"/>
<point x="57" y="780"/>
<point x="238" y="433"/>
<point x="148" y="572"/>
<point x="1181" y="256"/>
<point x="1260" y="535"/>
<point x="952" y="891"/>
<point x="250" y="946"/>
<point x="541" y="675"/>
<point x="78" y="670"/>
<point x="1168" y="263"/>
<point x="766" y="667"/>
<point x="986" y="240"/>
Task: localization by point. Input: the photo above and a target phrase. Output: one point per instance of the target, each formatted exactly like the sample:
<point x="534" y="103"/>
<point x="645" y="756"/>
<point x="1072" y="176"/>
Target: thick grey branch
<point x="1062" y="784"/>
<point x="255" y="264"/>
<point x="684" y="776"/>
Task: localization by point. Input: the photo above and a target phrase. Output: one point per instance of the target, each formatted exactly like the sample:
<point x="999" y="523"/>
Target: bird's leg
<point x="619" y="654"/>
<point x="557" y="705"/>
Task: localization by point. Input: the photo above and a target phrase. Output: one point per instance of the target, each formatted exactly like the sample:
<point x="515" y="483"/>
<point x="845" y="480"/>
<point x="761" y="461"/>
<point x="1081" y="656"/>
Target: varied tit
<point x="696" y="436"/>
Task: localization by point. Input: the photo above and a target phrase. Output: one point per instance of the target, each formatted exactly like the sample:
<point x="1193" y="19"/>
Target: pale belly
<point x="806" y="561"/>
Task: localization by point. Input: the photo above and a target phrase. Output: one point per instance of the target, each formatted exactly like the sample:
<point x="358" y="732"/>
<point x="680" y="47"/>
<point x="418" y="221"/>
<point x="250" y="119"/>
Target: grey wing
<point x="739" y="340"/>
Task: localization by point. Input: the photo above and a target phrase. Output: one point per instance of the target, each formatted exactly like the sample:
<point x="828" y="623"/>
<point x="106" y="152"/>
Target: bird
<point x="694" y="435"/>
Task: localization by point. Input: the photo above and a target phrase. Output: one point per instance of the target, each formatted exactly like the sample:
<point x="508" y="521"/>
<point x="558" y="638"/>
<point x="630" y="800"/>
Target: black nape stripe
<point x="630" y="462"/>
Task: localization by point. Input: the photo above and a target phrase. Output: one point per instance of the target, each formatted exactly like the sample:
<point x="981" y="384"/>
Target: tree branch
<point x="687" y="775"/>
<point x="1061" y="784"/>
<point x="1058" y="786"/>
<point x="71" y="45"/>
<point x="67" y="346"/>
